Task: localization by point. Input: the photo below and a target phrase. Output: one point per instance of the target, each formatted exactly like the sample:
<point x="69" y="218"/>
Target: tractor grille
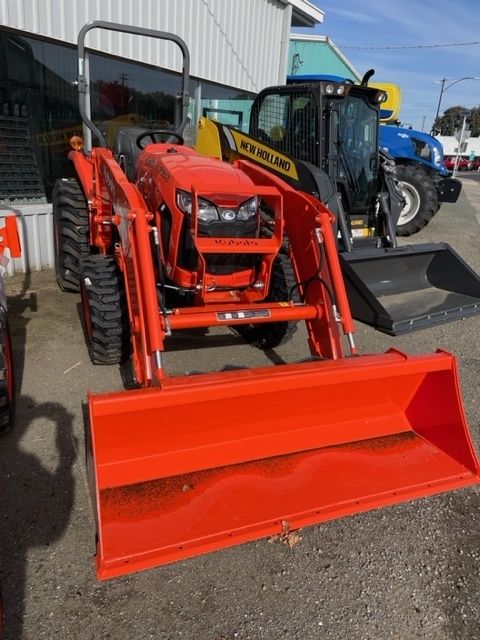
<point x="224" y="264"/>
<point x="227" y="263"/>
<point x="221" y="263"/>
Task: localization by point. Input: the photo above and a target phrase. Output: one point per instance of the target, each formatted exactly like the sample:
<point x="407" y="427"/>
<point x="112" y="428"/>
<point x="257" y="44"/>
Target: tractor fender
<point x="84" y="171"/>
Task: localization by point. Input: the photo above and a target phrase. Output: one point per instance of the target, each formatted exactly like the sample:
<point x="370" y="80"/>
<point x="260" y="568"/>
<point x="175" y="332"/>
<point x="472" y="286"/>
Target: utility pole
<point x="442" y="85"/>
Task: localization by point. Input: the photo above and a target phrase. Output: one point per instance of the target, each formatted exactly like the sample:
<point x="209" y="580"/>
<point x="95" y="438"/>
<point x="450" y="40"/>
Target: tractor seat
<point x="126" y="150"/>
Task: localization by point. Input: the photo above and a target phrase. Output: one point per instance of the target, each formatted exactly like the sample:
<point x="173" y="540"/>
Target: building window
<point x="226" y="105"/>
<point x="39" y="109"/>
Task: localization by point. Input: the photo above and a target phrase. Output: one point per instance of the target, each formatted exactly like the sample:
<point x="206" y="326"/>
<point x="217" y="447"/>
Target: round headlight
<point x="329" y="89"/>
<point x="341" y="90"/>
<point x="381" y="96"/>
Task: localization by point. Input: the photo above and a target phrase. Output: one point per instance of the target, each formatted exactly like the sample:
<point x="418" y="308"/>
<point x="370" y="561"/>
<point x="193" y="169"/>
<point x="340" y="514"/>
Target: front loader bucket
<point x="402" y="289"/>
<point x="213" y="460"/>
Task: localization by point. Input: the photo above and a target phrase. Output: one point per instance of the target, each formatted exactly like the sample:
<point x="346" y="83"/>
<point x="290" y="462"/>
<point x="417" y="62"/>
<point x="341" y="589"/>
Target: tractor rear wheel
<point x="104" y="310"/>
<point x="421" y="199"/>
<point x="7" y="379"/>
<point x="272" y="334"/>
<point x="71" y="229"/>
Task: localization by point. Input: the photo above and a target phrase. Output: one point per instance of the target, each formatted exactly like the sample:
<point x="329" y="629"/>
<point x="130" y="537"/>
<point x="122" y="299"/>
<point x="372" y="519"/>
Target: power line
<point x="415" y="46"/>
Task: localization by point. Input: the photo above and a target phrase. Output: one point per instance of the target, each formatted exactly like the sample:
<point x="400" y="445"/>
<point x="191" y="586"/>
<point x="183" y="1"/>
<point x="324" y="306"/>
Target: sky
<point x="355" y="26"/>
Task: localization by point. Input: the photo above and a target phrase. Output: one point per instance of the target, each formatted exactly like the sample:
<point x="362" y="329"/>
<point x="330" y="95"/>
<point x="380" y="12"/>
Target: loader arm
<point x="309" y="228"/>
<point x="119" y="217"/>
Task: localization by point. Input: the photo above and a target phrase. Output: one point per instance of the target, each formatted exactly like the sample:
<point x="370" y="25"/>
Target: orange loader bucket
<point x="213" y="460"/>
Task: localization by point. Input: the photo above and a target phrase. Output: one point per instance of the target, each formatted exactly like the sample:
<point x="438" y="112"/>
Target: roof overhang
<point x="326" y="40"/>
<point x="304" y="13"/>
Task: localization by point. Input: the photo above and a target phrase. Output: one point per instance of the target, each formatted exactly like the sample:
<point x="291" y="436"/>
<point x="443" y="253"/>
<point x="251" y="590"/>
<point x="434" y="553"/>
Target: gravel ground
<point x="405" y="572"/>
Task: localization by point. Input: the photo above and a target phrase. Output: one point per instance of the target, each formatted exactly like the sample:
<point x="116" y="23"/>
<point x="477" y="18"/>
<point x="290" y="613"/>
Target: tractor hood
<point x="183" y="167"/>
<point x="412" y="145"/>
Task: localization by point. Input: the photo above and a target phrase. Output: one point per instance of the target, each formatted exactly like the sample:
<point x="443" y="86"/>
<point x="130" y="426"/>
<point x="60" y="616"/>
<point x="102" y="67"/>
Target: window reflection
<point x="39" y="108"/>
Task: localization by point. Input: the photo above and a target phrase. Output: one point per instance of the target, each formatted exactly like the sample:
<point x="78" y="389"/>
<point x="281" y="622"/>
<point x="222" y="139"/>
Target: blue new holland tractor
<point x="420" y="168"/>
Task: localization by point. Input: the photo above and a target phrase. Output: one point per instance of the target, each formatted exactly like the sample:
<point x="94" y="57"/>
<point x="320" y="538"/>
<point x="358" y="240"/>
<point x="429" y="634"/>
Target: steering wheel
<point x="151" y="135"/>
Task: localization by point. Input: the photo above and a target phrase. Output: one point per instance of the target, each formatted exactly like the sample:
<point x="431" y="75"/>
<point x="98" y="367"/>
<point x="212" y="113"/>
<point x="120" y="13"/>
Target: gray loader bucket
<point x="403" y="289"/>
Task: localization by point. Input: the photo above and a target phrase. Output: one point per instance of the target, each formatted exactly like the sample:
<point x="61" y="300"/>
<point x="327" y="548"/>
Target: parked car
<point x="475" y="164"/>
<point x="464" y="164"/>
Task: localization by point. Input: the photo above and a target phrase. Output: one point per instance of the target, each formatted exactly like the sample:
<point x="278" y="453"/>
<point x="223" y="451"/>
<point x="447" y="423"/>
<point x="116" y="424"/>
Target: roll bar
<point x="183" y="96"/>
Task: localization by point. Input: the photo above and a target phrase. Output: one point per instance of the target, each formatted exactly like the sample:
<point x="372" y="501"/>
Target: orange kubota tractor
<point x="188" y="464"/>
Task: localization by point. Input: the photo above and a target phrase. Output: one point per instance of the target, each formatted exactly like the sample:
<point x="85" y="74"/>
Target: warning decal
<point x="243" y="315"/>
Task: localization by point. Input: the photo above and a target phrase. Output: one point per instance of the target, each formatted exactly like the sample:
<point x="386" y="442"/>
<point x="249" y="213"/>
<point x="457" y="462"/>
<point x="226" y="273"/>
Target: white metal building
<point x="237" y="47"/>
<point x="450" y="145"/>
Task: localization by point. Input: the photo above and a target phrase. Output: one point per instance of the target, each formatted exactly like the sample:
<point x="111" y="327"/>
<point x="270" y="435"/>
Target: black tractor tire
<point x="7" y="377"/>
<point x="71" y="230"/>
<point x="421" y="195"/>
<point x="273" y="334"/>
<point x="104" y="310"/>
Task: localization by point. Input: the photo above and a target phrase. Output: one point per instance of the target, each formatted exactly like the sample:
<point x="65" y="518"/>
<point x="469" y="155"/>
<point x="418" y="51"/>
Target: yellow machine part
<point x="224" y="142"/>
<point x="390" y="109"/>
<point x="207" y="142"/>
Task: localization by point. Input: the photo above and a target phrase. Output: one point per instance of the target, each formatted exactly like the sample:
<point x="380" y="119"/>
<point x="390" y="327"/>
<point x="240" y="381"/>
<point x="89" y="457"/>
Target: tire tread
<point x="108" y="342"/>
<point x="71" y="222"/>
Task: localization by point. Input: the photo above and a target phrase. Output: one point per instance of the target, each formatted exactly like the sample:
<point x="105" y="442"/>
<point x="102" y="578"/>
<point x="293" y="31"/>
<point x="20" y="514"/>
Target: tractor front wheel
<point x="273" y="334"/>
<point x="421" y="199"/>
<point x="104" y="310"/>
<point x="71" y="230"/>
